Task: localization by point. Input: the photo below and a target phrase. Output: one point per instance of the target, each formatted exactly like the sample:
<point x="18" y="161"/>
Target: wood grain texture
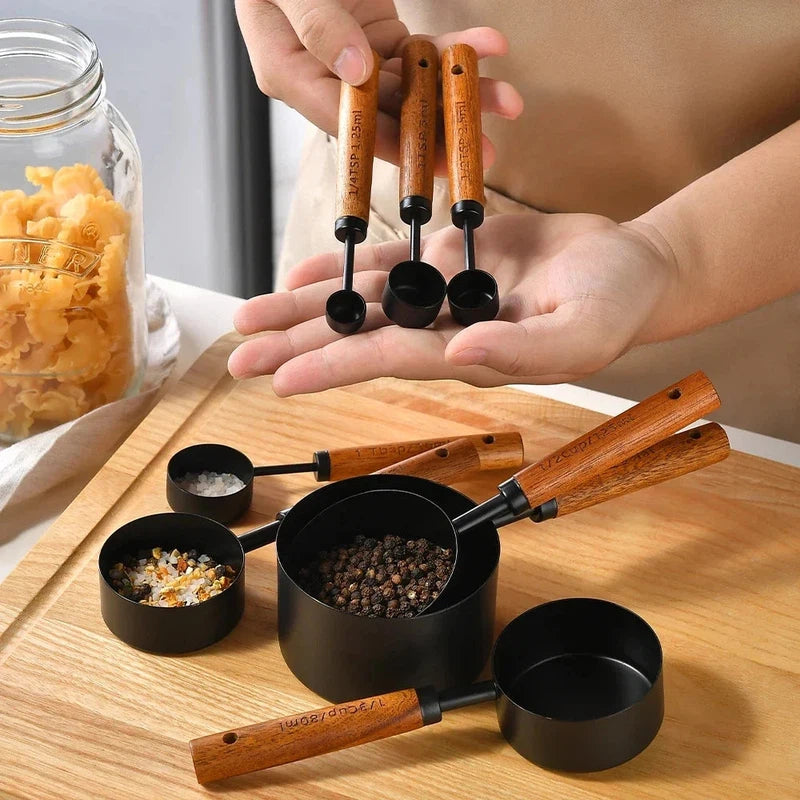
<point x="304" y="735"/>
<point x="446" y="464"/>
<point x="358" y="114"/>
<point x="461" y="106"/>
<point x="420" y="60"/>
<point x="495" y="450"/>
<point x="618" y="438"/>
<point x="674" y="456"/>
<point x="711" y="560"/>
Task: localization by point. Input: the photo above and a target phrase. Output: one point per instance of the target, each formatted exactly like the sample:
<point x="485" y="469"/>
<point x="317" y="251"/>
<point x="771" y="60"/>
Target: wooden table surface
<point x="710" y="560"/>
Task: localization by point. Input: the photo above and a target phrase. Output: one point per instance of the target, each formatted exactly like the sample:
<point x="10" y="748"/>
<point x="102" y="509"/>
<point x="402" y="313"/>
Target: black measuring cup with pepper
<point x="183" y="628"/>
<point x="499" y="450"/>
<point x="472" y="294"/>
<point x="340" y="655"/>
<point x="415" y="290"/>
<point x="577" y="685"/>
<point x="346" y="310"/>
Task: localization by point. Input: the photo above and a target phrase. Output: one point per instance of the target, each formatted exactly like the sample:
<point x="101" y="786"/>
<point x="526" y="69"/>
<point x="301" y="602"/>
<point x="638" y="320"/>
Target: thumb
<point x="332" y="35"/>
<point x="558" y="343"/>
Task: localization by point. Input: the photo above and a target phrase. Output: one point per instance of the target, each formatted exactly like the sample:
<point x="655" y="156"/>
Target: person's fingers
<point x="501" y="98"/>
<point x="570" y="340"/>
<point x="331" y="35"/>
<point x="382" y="257"/>
<point x="265" y="354"/>
<point x="386" y="351"/>
<point x="485" y="41"/>
<point x="282" y="310"/>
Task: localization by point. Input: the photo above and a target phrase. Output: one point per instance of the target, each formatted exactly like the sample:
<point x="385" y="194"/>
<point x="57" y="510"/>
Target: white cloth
<point x="41" y="462"/>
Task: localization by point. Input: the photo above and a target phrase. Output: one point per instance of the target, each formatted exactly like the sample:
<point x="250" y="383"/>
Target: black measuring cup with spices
<point x="577" y="685"/>
<point x="190" y="611"/>
<point x="221" y="464"/>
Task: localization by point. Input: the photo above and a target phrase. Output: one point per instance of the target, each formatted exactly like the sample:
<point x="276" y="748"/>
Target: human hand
<point x="298" y="47"/>
<point x="577" y="291"/>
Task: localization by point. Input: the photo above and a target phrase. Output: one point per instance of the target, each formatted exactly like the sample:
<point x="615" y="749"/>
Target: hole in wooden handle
<point x="457" y="69"/>
<point x="423" y="62"/>
<point x="674" y="394"/>
<point x="230" y="737"/>
<point x="442" y="452"/>
<point x="695" y="435"/>
<point x="488" y="439"/>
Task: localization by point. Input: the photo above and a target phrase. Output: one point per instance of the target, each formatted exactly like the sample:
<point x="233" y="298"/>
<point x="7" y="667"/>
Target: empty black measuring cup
<point x="345" y="310"/>
<point x="415" y="290"/>
<point x="577" y="685"/>
<point x="630" y="435"/>
<point x="472" y="294"/>
<point x="500" y="450"/>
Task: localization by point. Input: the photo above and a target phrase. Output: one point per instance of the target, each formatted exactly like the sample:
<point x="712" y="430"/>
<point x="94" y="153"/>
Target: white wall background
<point x="165" y="64"/>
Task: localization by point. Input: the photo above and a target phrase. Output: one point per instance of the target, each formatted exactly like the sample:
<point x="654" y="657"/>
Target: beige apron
<point x="626" y="101"/>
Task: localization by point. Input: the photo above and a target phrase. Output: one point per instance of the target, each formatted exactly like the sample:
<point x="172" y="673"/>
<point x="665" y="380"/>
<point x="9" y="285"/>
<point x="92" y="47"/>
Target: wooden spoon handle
<point x="446" y="464"/>
<point x="462" y="123"/>
<point x="299" y="736"/>
<point x="502" y="450"/>
<point x="674" y="456"/>
<point x="616" y="439"/>
<point x="418" y="119"/>
<point x="358" y="114"/>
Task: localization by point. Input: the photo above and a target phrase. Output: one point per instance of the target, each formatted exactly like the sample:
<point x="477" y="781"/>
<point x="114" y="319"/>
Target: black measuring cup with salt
<point x="501" y="450"/>
<point x="532" y="491"/>
<point x="346" y="310"/>
<point x="577" y="685"/>
<point x="472" y="294"/>
<point x="180" y="629"/>
<point x="415" y="290"/>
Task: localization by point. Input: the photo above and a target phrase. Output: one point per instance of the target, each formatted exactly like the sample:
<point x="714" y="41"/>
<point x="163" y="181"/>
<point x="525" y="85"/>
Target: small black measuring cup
<point x="472" y="294"/>
<point x="346" y="310"/>
<point x="415" y="290"/>
<point x="535" y="490"/>
<point x="182" y="629"/>
<point x="500" y="450"/>
<point x="577" y="685"/>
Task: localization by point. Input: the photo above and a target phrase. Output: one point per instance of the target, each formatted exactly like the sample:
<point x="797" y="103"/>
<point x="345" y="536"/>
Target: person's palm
<point x="577" y="290"/>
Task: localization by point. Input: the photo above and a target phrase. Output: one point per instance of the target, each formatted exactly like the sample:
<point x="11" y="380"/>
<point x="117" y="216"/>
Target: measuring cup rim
<point x="160" y="517"/>
<point x="338" y="486"/>
<point x="427" y="271"/>
<point x="540" y="608"/>
<point x="173" y="479"/>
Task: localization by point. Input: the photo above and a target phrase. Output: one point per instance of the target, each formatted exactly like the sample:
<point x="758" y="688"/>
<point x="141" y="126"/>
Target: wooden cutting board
<point x="711" y="560"/>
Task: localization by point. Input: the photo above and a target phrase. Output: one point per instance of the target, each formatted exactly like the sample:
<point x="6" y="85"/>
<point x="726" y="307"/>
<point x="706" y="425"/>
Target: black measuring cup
<point x="535" y="490"/>
<point x="577" y="685"/>
<point x="472" y="294"/>
<point x="415" y="290"/>
<point x="346" y="310"/>
<point x="500" y="450"/>
<point x="182" y="629"/>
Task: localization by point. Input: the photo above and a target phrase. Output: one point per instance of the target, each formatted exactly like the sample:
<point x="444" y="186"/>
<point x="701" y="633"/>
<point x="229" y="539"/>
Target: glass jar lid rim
<point x="16" y="25"/>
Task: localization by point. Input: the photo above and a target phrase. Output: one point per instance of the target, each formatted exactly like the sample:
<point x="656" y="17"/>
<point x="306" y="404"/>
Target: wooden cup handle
<point x="677" y="455"/>
<point x="462" y="123"/>
<point x="503" y="450"/>
<point x="618" y="438"/>
<point x="418" y="119"/>
<point x="358" y="114"/>
<point x="446" y="464"/>
<point x="299" y="736"/>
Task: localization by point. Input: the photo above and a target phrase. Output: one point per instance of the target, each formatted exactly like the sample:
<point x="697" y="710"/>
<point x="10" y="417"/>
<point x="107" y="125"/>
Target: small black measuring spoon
<point x="471" y="294"/>
<point x="345" y="310"/>
<point x="414" y="290"/>
<point x="501" y="450"/>
<point x="577" y="685"/>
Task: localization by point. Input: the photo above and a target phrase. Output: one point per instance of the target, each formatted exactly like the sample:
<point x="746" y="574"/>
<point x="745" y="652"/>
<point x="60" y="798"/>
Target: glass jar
<point x="72" y="300"/>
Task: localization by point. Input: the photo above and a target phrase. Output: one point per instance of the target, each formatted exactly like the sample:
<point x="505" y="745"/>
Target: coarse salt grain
<point x="210" y="484"/>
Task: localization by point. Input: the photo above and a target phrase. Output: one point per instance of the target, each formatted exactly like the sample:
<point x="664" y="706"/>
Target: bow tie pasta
<point x="65" y="323"/>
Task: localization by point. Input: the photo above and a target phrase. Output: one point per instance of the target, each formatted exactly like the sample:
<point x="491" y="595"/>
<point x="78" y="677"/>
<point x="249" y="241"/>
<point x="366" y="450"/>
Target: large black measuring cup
<point x="577" y="685"/>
